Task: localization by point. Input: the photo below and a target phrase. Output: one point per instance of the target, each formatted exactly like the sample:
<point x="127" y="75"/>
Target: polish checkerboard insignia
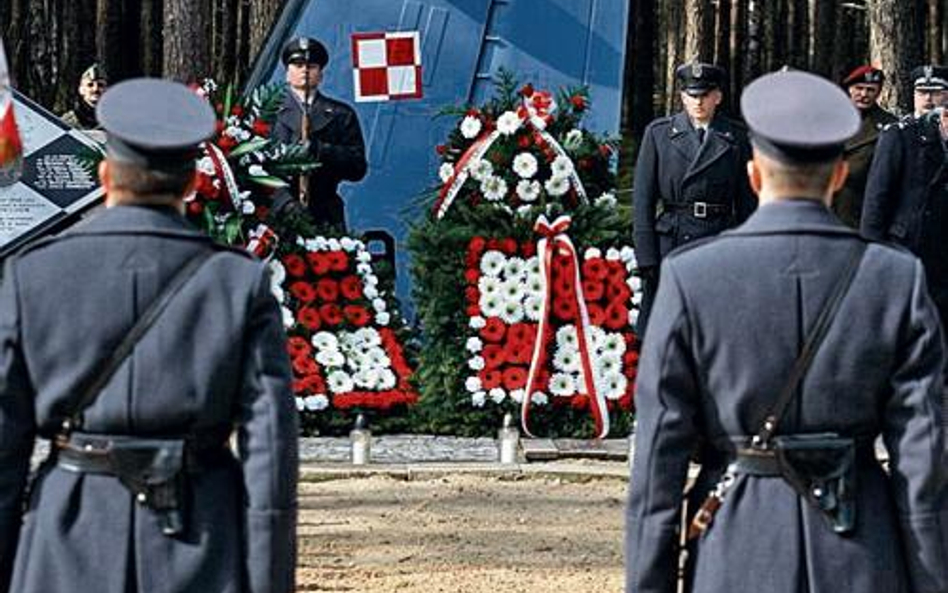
<point x="386" y="66"/>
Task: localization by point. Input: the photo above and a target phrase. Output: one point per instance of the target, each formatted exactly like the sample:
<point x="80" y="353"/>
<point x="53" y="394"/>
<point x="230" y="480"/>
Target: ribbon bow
<point x="538" y="109"/>
<point x="553" y="239"/>
<point x="262" y="241"/>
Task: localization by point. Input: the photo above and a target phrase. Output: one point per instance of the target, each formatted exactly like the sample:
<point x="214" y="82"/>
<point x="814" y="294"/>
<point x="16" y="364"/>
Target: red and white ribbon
<point x="263" y="241"/>
<point x="554" y="240"/>
<point x="452" y="186"/>
<point x="223" y="172"/>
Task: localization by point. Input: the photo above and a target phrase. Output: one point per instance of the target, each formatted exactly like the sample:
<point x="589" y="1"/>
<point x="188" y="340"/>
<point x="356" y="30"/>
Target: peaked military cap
<point x="864" y="75"/>
<point x="305" y="50"/>
<point x="698" y="78"/>
<point x="930" y="78"/>
<point x="94" y="72"/>
<point x="155" y="124"/>
<point x="798" y="117"/>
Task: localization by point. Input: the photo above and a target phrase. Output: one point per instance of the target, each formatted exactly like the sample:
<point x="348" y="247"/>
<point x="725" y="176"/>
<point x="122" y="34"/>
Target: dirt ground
<point x="461" y="534"/>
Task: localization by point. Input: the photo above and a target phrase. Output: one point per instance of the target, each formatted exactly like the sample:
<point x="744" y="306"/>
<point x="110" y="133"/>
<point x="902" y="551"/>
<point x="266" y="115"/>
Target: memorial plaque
<point x="55" y="186"/>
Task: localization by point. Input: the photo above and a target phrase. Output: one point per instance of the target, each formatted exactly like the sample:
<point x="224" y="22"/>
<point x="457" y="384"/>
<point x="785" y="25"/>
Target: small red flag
<point x="11" y="146"/>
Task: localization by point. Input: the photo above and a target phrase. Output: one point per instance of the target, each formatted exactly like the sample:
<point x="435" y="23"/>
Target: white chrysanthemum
<point x="478" y="399"/>
<point x="333" y="244"/>
<point x="278" y="293"/>
<point x="445" y="172"/>
<point x="368" y="336"/>
<point x="612" y="345"/>
<point x="525" y="211"/>
<point x="566" y="337"/>
<point x="288" y="320"/>
<point x="471" y="127"/>
<point x="370" y="279"/>
<point x="562" y="384"/>
<point x="508" y="123"/>
<point x="494" y="188"/>
<point x="525" y="165"/>
<point x="476" y="363"/>
<point x="277" y="272"/>
<point x="567" y="359"/>
<point x="363" y="256"/>
<point x="325" y="341"/>
<point x="481" y="169"/>
<point x="489" y="286"/>
<point x="339" y="382"/>
<point x="348" y="244"/>
<point x="532" y="307"/>
<point x="607" y="200"/>
<point x="247" y="207"/>
<point x="512" y="290"/>
<point x="613" y="385"/>
<point x="378" y="359"/>
<point x="493" y="262"/>
<point x="387" y="379"/>
<point x="557" y="185"/>
<point x="383" y="318"/>
<point x="607" y="364"/>
<point x="561" y="166"/>
<point x="595" y="337"/>
<point x="612" y="254"/>
<point x="573" y="140"/>
<point x="370" y="292"/>
<point x="379" y="305"/>
<point x="474" y="344"/>
<point x="635" y="283"/>
<point x="477" y="322"/>
<point x="637" y="299"/>
<point x="473" y="384"/>
<point x="492" y="306"/>
<point x="330" y="358"/>
<point x="539" y="398"/>
<point x="517" y="395"/>
<point x="367" y="378"/>
<point x="514" y="268"/>
<point x="528" y="191"/>
<point x="315" y="403"/>
<point x="592" y="253"/>
<point x="533" y="266"/>
<point x="497" y="394"/>
<point x="511" y="312"/>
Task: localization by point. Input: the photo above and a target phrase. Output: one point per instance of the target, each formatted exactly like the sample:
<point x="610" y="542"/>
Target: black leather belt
<point x="699" y="209"/>
<point x="90" y="453"/>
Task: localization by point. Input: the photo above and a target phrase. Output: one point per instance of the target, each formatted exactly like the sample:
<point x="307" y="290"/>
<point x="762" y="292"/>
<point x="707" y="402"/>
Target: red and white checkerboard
<point x="386" y="66"/>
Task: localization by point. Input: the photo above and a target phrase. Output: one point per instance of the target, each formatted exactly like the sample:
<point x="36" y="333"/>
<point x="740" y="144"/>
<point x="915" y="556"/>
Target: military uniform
<point x="213" y="362"/>
<point x="710" y="372"/>
<point x="686" y="188"/>
<point x="847" y="203"/>
<point x="82" y="116"/>
<point x="335" y="140"/>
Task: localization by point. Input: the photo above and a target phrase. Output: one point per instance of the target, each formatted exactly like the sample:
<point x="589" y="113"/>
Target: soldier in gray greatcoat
<point x="690" y="179"/>
<point x="141" y="491"/>
<point x="731" y="317"/>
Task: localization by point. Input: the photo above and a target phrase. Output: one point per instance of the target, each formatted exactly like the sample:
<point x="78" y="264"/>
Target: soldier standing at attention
<point x="328" y="127"/>
<point x="863" y="85"/>
<point x="137" y="345"/>
<point x="689" y="177"/>
<point x="92" y="84"/>
<point x="839" y="344"/>
<point x="907" y="190"/>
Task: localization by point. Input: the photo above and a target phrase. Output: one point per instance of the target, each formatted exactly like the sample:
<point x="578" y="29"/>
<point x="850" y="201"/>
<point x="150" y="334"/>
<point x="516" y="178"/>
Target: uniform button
<point x="142" y="498"/>
<point x="687" y="237"/>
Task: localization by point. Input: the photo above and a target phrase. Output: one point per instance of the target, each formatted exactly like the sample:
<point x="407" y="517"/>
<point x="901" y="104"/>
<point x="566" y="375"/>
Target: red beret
<point x="864" y="75"/>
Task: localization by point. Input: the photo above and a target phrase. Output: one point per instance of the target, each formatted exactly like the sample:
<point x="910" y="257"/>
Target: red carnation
<point x="616" y="268"/>
<point x="595" y="268"/>
<point x="205" y="187"/>
<point x="597" y="316"/>
<point x="328" y="290"/>
<point x="527" y="90"/>
<point x="331" y="313"/>
<point x="260" y="128"/>
<point x="617" y="316"/>
<point x="525" y="140"/>
<point x="350" y="287"/>
<point x="471" y="294"/>
<point x="473" y="311"/>
<point x="226" y="144"/>
<point x="578" y="101"/>
<point x="298" y="346"/>
<point x="294" y="264"/>
<point x="528" y="249"/>
<point x="522" y="334"/>
<point x="338" y="261"/>
<point x="494" y="355"/>
<point x="318" y="262"/>
<point x="509" y="246"/>
<point x="237" y="110"/>
<point x="524" y="354"/>
<point x="593" y="290"/>
<point x="472" y="276"/>
<point x="195" y="208"/>
<point x="515" y="378"/>
<point x="309" y="318"/>
<point x="305" y="366"/>
<point x="618" y="291"/>
<point x="494" y="330"/>
<point x="314" y="384"/>
<point x="356" y="315"/>
<point x="494" y="244"/>
<point x="491" y="378"/>
<point x="477" y="244"/>
<point x="630" y="359"/>
<point x="579" y="402"/>
<point x="304" y="291"/>
<point x="564" y="309"/>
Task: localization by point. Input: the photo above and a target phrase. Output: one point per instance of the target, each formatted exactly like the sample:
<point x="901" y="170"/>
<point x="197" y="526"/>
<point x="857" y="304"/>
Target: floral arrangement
<point x="525" y="218"/>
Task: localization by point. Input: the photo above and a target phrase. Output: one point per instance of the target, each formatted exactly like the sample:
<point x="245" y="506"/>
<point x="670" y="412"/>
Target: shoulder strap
<point x="97" y="380"/>
<point x="810" y="347"/>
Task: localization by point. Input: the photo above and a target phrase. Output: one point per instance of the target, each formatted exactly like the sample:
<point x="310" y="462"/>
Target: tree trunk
<point x="699" y="31"/>
<point x="674" y="43"/>
<point x="935" y="49"/>
<point x="825" y="17"/>
<point x="753" y="64"/>
<point x="151" y="20"/>
<point x="263" y="13"/>
<point x="187" y="48"/>
<point x="799" y="29"/>
<point x="896" y="46"/>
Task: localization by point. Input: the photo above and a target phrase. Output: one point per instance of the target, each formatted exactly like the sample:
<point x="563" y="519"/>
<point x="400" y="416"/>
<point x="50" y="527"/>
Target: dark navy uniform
<point x="213" y="363"/>
<point x="729" y="320"/>
<point x="335" y="140"/>
<point x="686" y="188"/>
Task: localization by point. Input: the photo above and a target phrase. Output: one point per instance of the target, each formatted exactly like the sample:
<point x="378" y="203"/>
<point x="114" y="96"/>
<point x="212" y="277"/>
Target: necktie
<point x="701" y="135"/>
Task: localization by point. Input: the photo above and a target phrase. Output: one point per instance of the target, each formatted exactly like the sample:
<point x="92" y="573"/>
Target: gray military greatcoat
<point x="216" y="358"/>
<point x="729" y="321"/>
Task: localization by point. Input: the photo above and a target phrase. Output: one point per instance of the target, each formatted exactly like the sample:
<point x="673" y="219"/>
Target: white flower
<point x="539" y="398"/>
<point x="573" y="140"/>
<point x="561" y="166"/>
<point x="508" y="123"/>
<point x="494" y="188"/>
<point x="370" y="292"/>
<point x="562" y="384"/>
<point x="497" y="394"/>
<point x="513" y="290"/>
<point x="481" y="169"/>
<point x="635" y="283"/>
<point x="368" y="336"/>
<point x="476" y="363"/>
<point x="567" y="360"/>
<point x="277" y="272"/>
<point x="477" y="322"/>
<point x="612" y="254"/>
<point x="627" y="254"/>
<point x="378" y="305"/>
<point x="363" y="257"/>
<point x="315" y="403"/>
<point x="478" y="399"/>
<point x="613" y="344"/>
<point x="369" y="279"/>
<point x="528" y="191"/>
<point x="445" y="172"/>
<point x="592" y="253"/>
<point x="532" y="307"/>
<point x="278" y="293"/>
<point x="557" y="185"/>
<point x="470" y="127"/>
<point x="347" y="244"/>
<point x="288" y="320"/>
<point x="492" y="306"/>
<point x="595" y="336"/>
<point x="256" y="171"/>
<point x="377" y="358"/>
<point x="383" y="318"/>
<point x="613" y="385"/>
<point x="339" y="382"/>
<point x="300" y="404"/>
<point x="512" y="312"/>
<point x="514" y="269"/>
<point x="533" y="266"/>
<point x="330" y="358"/>
<point x="489" y="286"/>
<point x="474" y="344"/>
<point x="387" y="379"/>
<point x="366" y="378"/>
<point x="525" y="165"/>
<point x="607" y="200"/>
<point x="325" y="341"/>
<point x="525" y="211"/>
<point x="206" y="165"/>
<point x="608" y="364"/>
<point x="517" y="395"/>
<point x="566" y="337"/>
<point x="493" y="262"/>
<point x="247" y="207"/>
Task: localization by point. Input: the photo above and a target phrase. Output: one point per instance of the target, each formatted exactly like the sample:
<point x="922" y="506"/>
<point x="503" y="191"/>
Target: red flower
<point x="304" y="291"/>
<point x="313" y="384"/>
<point x="298" y="346"/>
<point x="522" y="334"/>
<point x="338" y="261"/>
<point x="525" y="140"/>
<point x="318" y="262"/>
<point x="509" y="246"/>
<point x="630" y="359"/>
<point x="597" y="316"/>
<point x="328" y="290"/>
<point x="527" y="90"/>
<point x="473" y="311"/>
<point x="494" y="330"/>
<point x="305" y="365"/>
<point x="593" y="290"/>
<point x="195" y="208"/>
<point x="605" y="150"/>
<point x="294" y="264"/>
<point x="309" y="318"/>
<point x="494" y="355"/>
<point x="491" y="378"/>
<point x="441" y="149"/>
<point x="494" y="244"/>
<point x="564" y="309"/>
<point x="261" y="212"/>
<point x="473" y="112"/>
<point x="579" y="402"/>
<point x="477" y="244"/>
<point x="524" y="354"/>
<point x="260" y="128"/>
<point x="237" y="110"/>
<point x="331" y="314"/>
<point x="226" y="144"/>
<point x="595" y="268"/>
<point x="515" y="378"/>
<point x="579" y="102"/>
<point x="471" y="294"/>
<point x="205" y="187"/>
<point x="617" y="316"/>
<point x="528" y="249"/>
<point x="356" y="315"/>
<point x="617" y="291"/>
<point x="350" y="287"/>
<point x="472" y="276"/>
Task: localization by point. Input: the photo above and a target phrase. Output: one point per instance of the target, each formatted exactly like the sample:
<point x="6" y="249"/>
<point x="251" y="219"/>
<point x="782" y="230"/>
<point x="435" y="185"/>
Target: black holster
<point x="822" y="468"/>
